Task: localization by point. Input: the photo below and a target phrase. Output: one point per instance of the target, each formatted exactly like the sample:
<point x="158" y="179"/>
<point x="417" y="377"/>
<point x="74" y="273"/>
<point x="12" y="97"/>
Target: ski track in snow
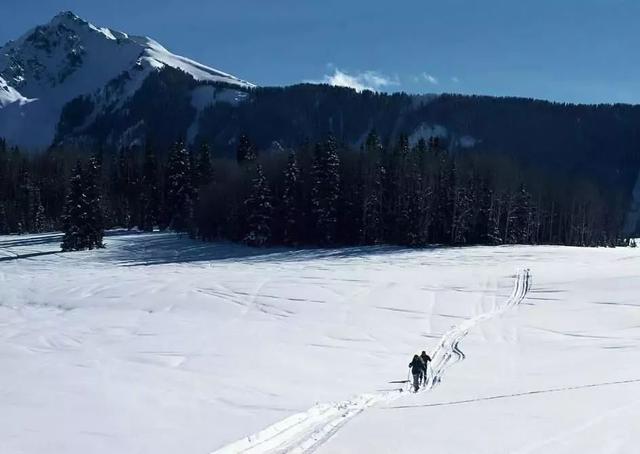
<point x="304" y="432"/>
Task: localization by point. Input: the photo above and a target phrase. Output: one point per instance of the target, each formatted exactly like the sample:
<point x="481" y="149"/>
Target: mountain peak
<point x="55" y="63"/>
<point x="65" y="21"/>
<point x="60" y="52"/>
<point x="65" y="16"/>
<point x="69" y="21"/>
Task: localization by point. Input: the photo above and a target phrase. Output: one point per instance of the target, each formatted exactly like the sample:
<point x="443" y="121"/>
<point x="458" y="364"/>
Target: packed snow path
<point x="448" y="351"/>
<point x="305" y="431"/>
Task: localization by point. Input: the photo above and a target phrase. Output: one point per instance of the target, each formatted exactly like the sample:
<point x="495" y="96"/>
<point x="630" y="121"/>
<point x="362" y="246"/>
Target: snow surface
<point x="9" y="95"/>
<point x="69" y="57"/>
<point x="162" y="344"/>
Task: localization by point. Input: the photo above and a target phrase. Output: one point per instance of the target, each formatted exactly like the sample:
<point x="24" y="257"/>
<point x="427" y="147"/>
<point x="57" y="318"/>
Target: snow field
<point x="161" y="344"/>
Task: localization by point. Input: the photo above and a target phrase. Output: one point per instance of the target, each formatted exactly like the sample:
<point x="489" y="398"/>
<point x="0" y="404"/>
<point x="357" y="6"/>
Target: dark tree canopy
<point x="407" y="193"/>
<point x="180" y="192"/>
<point x="82" y="221"/>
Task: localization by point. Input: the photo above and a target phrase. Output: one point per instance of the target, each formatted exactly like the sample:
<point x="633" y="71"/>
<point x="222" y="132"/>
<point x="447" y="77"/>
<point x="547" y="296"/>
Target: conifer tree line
<point x="326" y="194"/>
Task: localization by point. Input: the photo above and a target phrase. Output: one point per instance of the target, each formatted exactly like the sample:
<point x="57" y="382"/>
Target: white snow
<point x="159" y="55"/>
<point x="308" y="430"/>
<point x="162" y="344"/>
<point x="42" y="68"/>
<point x="9" y="95"/>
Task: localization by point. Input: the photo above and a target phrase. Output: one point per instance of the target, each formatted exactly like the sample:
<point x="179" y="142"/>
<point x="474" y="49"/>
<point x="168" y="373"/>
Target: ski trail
<point x="304" y="432"/>
<point x="448" y="351"/>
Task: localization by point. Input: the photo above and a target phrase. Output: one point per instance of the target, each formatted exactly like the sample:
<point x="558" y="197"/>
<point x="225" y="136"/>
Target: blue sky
<point x="563" y="50"/>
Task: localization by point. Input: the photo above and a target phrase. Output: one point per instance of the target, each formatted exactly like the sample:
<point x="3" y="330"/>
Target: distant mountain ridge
<point x="53" y="64"/>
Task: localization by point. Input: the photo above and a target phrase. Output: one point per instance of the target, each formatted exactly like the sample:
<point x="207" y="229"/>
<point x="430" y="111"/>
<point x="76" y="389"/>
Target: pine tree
<point x="325" y="191"/>
<point x="434" y="145"/>
<point x="75" y="217"/>
<point x="389" y="185"/>
<point x="150" y="195"/>
<point x="39" y="223"/>
<point x="291" y="201"/>
<point x="443" y="201"/>
<point x="28" y="199"/>
<point x="480" y="217"/>
<point x="203" y="165"/>
<point x="40" y="220"/>
<point x="193" y="173"/>
<point x="245" y="151"/>
<point x="259" y="211"/>
<point x="461" y="216"/>
<point x="418" y="195"/>
<point x="120" y="182"/>
<point x="94" y="228"/>
<point x="421" y="147"/>
<point x="403" y="145"/>
<point x="4" y="221"/>
<point x="372" y="216"/>
<point x="522" y="228"/>
<point x="351" y="203"/>
<point x="180" y="193"/>
<point x="510" y="218"/>
<point x="373" y="145"/>
<point x="494" y="235"/>
<point x="132" y="193"/>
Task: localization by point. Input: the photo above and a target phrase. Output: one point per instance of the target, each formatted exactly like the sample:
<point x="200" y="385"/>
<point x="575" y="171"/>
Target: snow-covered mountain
<point x="53" y="64"/>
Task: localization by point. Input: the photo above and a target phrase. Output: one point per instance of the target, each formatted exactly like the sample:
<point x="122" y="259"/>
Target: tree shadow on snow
<point x="27" y="256"/>
<point x="134" y="248"/>
<point x="168" y="248"/>
<point x="30" y="246"/>
<point x="40" y="240"/>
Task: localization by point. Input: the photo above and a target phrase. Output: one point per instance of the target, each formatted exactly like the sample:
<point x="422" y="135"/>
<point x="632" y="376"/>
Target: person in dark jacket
<point x="426" y="359"/>
<point x="418" y="369"/>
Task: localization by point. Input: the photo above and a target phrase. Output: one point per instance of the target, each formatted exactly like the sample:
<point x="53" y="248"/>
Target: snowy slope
<point x="69" y="57"/>
<point x="161" y="344"/>
<point x="9" y="95"/>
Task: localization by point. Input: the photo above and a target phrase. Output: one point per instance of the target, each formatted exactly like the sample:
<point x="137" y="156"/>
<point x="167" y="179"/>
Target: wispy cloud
<point x="431" y="79"/>
<point x="366" y="80"/>
<point x="455" y="79"/>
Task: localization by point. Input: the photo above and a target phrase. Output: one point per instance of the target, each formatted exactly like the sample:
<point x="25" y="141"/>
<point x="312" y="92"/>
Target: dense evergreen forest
<point x="325" y="193"/>
<point x="600" y="142"/>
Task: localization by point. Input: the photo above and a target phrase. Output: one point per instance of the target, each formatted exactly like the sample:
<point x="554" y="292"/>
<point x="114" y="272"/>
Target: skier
<point x="418" y="369"/>
<point x="426" y="359"/>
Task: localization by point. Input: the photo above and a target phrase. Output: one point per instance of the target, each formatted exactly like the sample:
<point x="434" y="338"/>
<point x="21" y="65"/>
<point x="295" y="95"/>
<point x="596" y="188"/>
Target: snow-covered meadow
<point x="162" y="344"/>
